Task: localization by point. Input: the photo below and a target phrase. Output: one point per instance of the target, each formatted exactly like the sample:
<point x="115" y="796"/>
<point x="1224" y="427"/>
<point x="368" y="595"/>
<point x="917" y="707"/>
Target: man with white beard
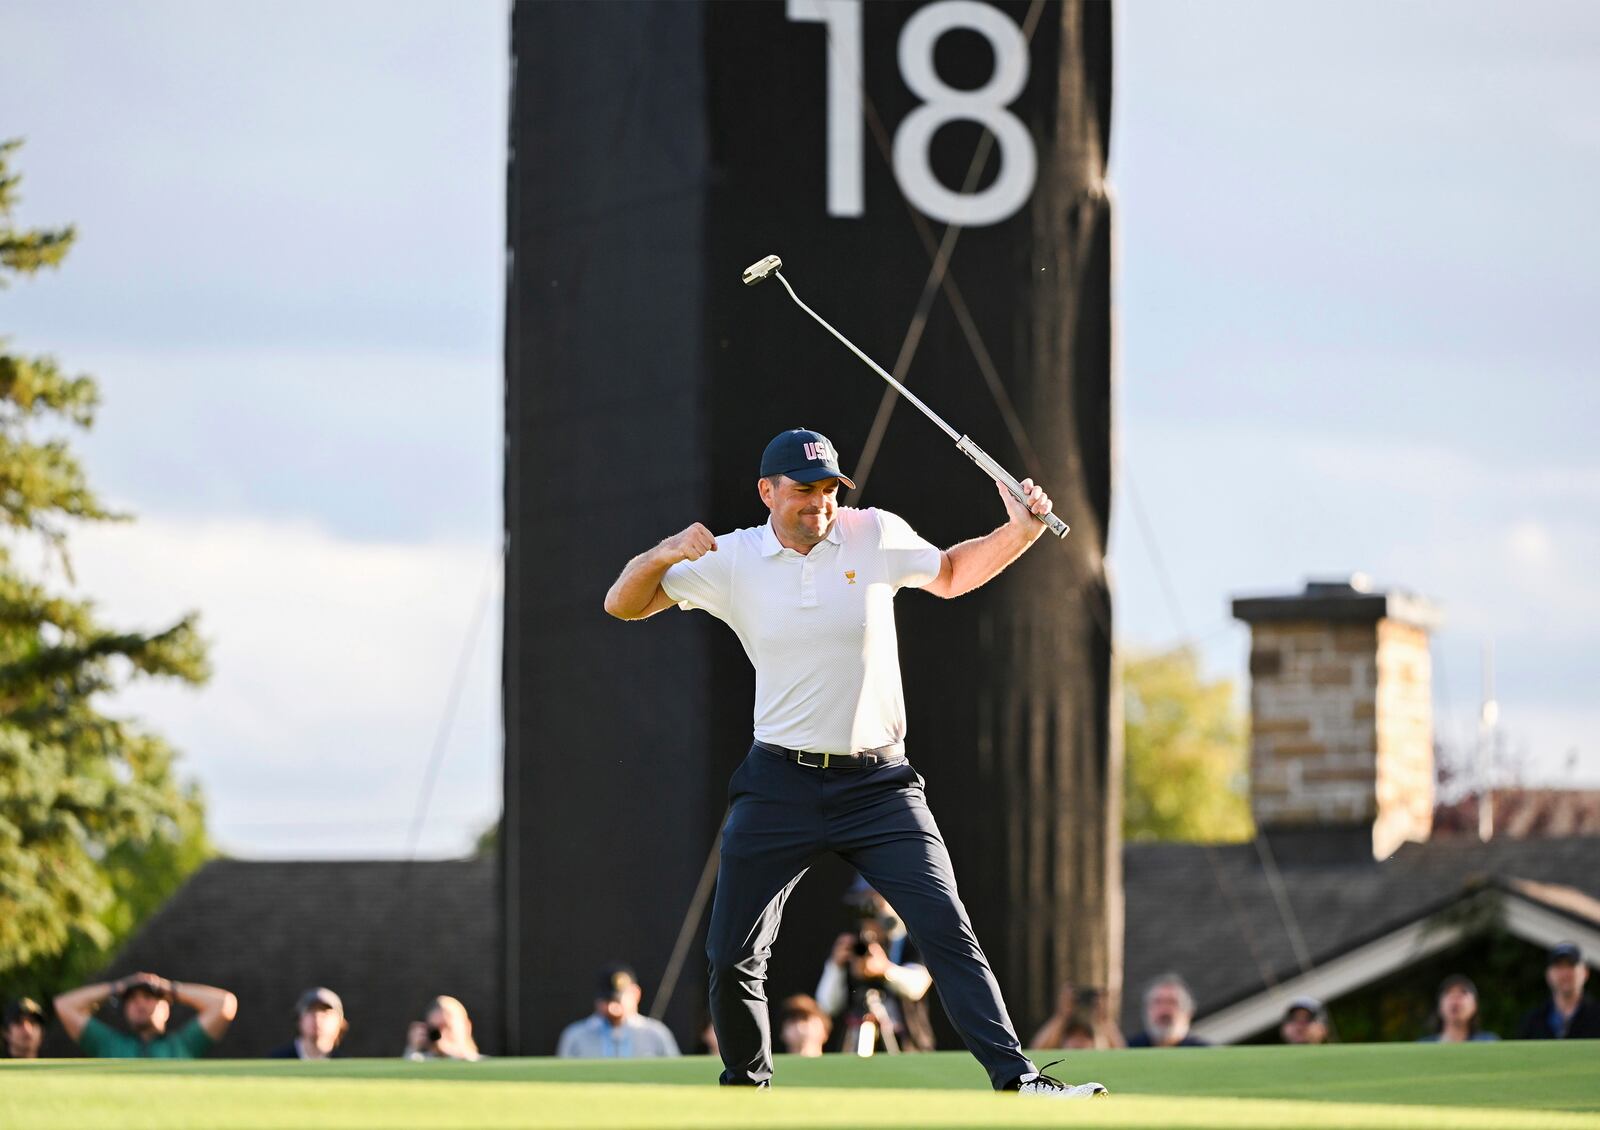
<point x="1168" y="1009"/>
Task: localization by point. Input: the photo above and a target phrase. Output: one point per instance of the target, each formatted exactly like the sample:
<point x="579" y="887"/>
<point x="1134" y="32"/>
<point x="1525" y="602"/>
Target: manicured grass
<point x="1492" y="1086"/>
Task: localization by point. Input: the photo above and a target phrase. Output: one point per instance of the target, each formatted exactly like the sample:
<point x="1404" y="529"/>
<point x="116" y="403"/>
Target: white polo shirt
<point x="818" y="627"/>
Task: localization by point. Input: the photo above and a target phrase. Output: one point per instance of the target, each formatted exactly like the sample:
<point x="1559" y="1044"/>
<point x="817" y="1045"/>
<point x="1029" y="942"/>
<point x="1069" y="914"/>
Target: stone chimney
<point x="1341" y="704"/>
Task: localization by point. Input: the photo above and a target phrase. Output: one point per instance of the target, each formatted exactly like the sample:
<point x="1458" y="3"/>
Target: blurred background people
<point x="1566" y="1014"/>
<point x="320" y="1025"/>
<point x="803" y="1026"/>
<point x="22" y="1029"/>
<point x="615" y="1030"/>
<point x="1078" y="1035"/>
<point x="1456" y="1018"/>
<point x="872" y="987"/>
<point x="444" y="1032"/>
<point x="1081" y="1020"/>
<point x="1168" y="1011"/>
<point x="1305" y="1021"/>
<point x="147" y="1002"/>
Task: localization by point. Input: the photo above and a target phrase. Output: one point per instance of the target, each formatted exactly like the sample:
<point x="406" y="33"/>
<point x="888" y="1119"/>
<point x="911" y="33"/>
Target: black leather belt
<point x="867" y="759"/>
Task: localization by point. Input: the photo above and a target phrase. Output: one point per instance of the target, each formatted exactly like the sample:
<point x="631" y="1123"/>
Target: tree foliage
<point x="95" y="826"/>
<point x="1185" y="751"/>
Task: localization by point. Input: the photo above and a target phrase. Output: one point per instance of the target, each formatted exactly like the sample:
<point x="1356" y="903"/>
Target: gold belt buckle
<point x="825" y="760"/>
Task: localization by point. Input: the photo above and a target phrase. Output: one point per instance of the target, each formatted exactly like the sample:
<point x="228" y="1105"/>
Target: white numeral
<point x="941" y="103"/>
<point x="944" y="103"/>
<point x="842" y="18"/>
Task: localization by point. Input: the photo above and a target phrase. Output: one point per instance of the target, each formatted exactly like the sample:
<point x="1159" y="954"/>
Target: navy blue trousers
<point x="781" y="818"/>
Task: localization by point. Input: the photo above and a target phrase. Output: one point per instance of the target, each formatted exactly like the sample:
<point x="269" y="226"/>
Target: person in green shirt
<point x="146" y="1008"/>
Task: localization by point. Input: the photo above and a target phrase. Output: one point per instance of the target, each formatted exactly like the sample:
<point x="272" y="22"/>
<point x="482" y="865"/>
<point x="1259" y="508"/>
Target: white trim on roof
<point x="1406" y="946"/>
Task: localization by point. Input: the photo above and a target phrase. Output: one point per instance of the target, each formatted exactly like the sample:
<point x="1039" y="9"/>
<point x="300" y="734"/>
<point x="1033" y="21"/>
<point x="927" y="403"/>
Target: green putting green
<point x="1492" y="1086"/>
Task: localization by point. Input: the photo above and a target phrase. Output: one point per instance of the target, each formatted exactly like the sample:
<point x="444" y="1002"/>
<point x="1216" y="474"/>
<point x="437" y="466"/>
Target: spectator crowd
<point x="871" y="996"/>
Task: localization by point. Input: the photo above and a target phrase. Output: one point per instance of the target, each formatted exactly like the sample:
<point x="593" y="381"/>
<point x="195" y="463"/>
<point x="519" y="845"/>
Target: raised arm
<point x="74" y="1007"/>
<point x="972" y="563"/>
<point x="637" y="593"/>
<point x="216" y="1007"/>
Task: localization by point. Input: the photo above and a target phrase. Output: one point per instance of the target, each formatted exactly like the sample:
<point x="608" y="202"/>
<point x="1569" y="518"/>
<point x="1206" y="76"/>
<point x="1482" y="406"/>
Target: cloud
<point x="333" y="660"/>
<point x="1504" y="541"/>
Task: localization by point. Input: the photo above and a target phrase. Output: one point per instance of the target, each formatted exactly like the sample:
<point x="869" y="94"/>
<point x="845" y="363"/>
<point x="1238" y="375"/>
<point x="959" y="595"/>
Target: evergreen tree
<point x="96" y="829"/>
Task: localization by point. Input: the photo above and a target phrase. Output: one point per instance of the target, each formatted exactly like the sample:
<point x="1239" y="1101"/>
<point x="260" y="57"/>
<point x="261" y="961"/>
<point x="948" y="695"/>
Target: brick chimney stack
<point x="1341" y="704"/>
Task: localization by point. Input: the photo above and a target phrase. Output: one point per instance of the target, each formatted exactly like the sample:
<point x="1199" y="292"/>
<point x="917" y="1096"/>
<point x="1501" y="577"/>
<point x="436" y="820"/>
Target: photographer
<point x="444" y="1032"/>
<point x="146" y="1001"/>
<point x="1082" y="1019"/>
<point x="871" y="980"/>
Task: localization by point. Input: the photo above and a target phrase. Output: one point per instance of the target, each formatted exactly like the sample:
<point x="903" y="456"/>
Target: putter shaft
<point x="770" y="267"/>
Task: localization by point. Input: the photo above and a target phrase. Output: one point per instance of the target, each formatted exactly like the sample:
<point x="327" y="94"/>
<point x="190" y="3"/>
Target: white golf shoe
<point x="1052" y="1088"/>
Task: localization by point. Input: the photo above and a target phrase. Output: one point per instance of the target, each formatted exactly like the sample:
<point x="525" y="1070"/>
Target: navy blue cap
<point x="1565" y="951"/>
<point x="24" y="1006"/>
<point x="804" y="455"/>
<point x="615" y="980"/>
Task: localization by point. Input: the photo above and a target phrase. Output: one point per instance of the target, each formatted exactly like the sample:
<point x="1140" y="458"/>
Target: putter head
<point x="758" y="271"/>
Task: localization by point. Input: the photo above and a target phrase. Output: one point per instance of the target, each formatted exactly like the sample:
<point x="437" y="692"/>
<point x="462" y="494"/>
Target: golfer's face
<point x="804" y="511"/>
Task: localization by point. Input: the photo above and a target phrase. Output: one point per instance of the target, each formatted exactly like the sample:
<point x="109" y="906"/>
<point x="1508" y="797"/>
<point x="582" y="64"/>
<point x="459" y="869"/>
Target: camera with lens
<point x="869" y="932"/>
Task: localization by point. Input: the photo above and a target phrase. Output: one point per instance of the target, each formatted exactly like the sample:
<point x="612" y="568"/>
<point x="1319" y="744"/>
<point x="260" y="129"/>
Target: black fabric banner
<point x="657" y="151"/>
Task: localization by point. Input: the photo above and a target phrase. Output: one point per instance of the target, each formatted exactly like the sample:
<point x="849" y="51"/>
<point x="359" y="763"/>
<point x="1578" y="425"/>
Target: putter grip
<point x="983" y="459"/>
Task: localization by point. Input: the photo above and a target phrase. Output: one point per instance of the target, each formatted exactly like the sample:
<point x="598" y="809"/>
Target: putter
<point x="772" y="266"/>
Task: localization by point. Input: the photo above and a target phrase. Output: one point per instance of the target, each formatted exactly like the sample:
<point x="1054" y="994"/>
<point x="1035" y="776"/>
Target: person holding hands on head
<point x="146" y="1001"/>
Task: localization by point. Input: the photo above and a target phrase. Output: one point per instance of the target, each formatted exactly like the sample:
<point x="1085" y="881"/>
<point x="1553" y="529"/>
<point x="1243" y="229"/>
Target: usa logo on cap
<point x="804" y="456"/>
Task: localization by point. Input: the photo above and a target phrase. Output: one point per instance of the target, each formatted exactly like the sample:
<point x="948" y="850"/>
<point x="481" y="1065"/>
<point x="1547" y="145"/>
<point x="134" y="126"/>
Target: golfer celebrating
<point x="810" y="594"/>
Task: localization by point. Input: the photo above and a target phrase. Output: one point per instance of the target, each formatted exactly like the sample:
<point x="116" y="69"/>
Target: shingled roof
<point x="1209" y="912"/>
<point x="386" y="936"/>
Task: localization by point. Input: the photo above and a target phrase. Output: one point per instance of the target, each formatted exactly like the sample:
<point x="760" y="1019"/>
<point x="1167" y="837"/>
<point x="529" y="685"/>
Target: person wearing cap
<point x="872" y="976"/>
<point x="810" y="595"/>
<point x="320" y="1025"/>
<point x="615" y="1030"/>
<point x="23" y="1029"/>
<point x="147" y="1002"/>
<point x="1566" y="1014"/>
<point x="1305" y="1021"/>
<point x="1456" y="1019"/>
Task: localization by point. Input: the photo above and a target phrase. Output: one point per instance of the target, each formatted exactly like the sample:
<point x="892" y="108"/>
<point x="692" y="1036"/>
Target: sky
<point x="1356" y="279"/>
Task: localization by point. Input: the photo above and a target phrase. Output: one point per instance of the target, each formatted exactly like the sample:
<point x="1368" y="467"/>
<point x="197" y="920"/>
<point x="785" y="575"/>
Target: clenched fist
<point x="690" y="544"/>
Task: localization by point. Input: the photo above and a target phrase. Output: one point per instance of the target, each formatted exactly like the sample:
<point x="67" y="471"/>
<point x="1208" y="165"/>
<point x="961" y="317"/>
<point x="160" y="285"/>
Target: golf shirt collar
<point x="771" y="546"/>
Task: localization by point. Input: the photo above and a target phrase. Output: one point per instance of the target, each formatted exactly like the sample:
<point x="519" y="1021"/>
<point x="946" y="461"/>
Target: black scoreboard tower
<point x="656" y="150"/>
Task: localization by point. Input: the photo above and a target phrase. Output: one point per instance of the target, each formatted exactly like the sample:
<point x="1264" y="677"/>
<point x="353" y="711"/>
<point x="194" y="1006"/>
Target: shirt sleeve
<point x="704" y="583"/>
<point x="193" y="1040"/>
<point x="669" y="1043"/>
<point x="97" y="1039"/>
<point x="564" y="1048"/>
<point x="831" y="990"/>
<point x="912" y="559"/>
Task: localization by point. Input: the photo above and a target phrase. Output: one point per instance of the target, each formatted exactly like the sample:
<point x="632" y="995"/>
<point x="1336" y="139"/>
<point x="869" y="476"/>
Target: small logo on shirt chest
<point x="850" y="576"/>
